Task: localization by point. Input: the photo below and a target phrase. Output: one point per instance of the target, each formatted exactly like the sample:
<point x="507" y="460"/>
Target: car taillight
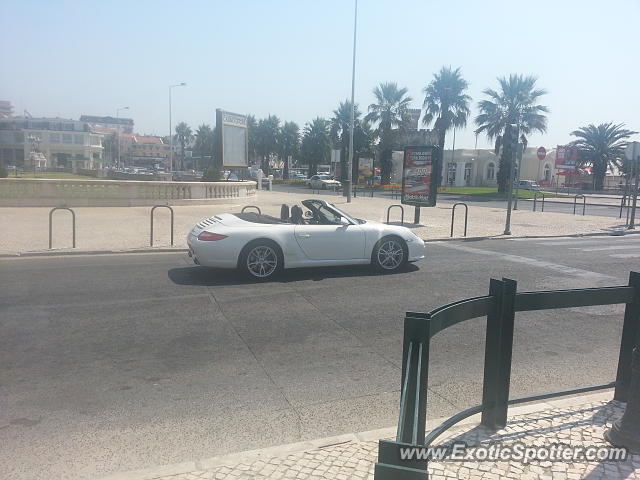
<point x="210" y="237"/>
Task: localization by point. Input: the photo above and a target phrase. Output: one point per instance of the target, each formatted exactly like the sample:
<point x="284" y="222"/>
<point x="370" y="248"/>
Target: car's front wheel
<point x="261" y="260"/>
<point x="389" y="254"/>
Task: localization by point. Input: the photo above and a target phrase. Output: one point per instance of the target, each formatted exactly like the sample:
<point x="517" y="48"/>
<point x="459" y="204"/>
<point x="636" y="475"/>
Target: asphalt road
<point x="118" y="362"/>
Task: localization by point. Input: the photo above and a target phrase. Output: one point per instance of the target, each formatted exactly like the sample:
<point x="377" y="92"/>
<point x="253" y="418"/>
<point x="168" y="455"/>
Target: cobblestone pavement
<point x="582" y="425"/>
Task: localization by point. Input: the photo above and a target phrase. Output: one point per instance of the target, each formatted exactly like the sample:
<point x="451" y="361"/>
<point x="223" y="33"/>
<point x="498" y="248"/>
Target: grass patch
<point x="492" y="192"/>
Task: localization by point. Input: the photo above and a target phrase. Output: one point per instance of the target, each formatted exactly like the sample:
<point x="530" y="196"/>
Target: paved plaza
<point x="123" y="228"/>
<point x="573" y="422"/>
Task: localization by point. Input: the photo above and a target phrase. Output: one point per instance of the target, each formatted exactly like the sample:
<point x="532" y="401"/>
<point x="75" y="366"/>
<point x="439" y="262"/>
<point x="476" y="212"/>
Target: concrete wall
<point x="16" y="192"/>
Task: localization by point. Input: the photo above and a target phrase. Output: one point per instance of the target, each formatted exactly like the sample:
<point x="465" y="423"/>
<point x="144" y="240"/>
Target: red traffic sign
<point x="542" y="153"/>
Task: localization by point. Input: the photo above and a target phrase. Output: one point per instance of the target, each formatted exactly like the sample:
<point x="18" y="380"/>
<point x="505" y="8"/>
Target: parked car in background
<point x="528" y="185"/>
<point x="323" y="182"/>
<point x="298" y="176"/>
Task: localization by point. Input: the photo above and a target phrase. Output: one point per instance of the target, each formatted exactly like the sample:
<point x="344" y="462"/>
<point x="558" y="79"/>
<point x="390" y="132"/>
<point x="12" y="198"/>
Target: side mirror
<point x="344" y="221"/>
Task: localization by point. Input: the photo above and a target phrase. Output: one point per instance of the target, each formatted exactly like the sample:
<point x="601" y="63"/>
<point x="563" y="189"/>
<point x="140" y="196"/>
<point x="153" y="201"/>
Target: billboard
<point x="417" y="182"/>
<point x="566" y="157"/>
<point x="233" y="138"/>
<point x="365" y="168"/>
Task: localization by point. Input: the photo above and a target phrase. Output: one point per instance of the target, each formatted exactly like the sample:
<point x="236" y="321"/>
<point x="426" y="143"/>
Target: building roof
<point x="110" y="120"/>
<point x="148" y="139"/>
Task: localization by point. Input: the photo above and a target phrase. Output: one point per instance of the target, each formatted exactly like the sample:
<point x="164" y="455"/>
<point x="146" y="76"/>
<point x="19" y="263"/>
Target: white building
<point x="64" y="143"/>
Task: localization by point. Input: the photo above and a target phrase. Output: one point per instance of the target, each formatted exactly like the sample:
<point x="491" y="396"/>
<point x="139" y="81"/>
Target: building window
<point x="491" y="171"/>
<point x="54" y="137"/>
<point x="547" y="172"/>
<point x="78" y="139"/>
<point x="451" y="173"/>
<point x="67" y="138"/>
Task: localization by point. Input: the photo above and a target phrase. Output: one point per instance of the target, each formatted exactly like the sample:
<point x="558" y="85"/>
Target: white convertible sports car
<point x="322" y="235"/>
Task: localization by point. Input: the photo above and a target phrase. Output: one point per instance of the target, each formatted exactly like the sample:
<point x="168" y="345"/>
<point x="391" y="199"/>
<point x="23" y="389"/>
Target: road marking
<point x="599" y="249"/>
<point x="571" y="271"/>
<point x="625" y="255"/>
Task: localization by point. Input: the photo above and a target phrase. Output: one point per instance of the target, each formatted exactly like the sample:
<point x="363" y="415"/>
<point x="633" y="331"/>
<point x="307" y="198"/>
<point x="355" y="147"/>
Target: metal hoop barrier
<point x="152" y="210"/>
<point x="584" y="203"/>
<point x="466" y="215"/>
<point x="73" y="223"/>
<point x="535" y="201"/>
<point x="401" y="210"/>
<point x="251" y="206"/>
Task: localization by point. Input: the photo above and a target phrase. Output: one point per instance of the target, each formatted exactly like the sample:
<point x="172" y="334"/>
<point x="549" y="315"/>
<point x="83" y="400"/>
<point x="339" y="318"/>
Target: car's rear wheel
<point x="390" y="254"/>
<point x="261" y="260"/>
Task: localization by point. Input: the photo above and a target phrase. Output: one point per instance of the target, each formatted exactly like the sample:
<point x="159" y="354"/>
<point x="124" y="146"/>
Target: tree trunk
<point x="285" y="169"/>
<point x="437" y="171"/>
<point x="385" y="166"/>
<point x="599" y="172"/>
<point x="504" y="170"/>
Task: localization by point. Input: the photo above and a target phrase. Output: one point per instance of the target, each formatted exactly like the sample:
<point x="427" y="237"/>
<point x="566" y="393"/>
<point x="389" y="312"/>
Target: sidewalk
<point x="574" y="421"/>
<point x="124" y="228"/>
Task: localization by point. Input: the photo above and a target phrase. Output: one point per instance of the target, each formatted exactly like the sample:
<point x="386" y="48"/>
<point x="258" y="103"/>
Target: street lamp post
<point x="353" y="105"/>
<point x="181" y="84"/>
<point x="118" y="110"/>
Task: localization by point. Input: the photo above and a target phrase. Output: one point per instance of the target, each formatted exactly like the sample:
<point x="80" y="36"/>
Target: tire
<point x="389" y="254"/>
<point x="261" y="260"/>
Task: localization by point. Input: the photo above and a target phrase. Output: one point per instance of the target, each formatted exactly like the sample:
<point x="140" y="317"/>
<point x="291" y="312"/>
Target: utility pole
<point x="118" y="110"/>
<point x="633" y="154"/>
<point x="181" y="84"/>
<point x="353" y="106"/>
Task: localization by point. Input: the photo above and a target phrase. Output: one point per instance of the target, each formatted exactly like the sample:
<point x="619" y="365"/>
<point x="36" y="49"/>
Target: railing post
<point x="151" y="229"/>
<point x="630" y="332"/>
<point x="492" y="356"/>
<point x="507" y="314"/>
<point x="413" y="405"/>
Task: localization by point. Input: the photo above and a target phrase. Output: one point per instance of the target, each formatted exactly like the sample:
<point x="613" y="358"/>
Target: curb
<point x="54" y="253"/>
<point x="368" y="436"/>
<point x="612" y="233"/>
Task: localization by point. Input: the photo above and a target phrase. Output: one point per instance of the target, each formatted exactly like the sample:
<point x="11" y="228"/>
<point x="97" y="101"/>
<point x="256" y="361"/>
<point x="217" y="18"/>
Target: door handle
<point x="304" y="235"/>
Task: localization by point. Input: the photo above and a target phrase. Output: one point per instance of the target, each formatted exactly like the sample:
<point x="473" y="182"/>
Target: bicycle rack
<point x="251" y="206"/>
<point x="466" y="215"/>
<point x="535" y="201"/>
<point x="151" y="214"/>
<point x="584" y="203"/>
<point x="73" y="223"/>
<point x="401" y="210"/>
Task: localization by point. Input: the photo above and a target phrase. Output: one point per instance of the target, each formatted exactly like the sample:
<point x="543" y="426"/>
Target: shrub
<point x="211" y="174"/>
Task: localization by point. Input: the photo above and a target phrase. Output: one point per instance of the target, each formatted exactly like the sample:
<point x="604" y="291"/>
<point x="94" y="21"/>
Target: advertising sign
<point x="233" y="139"/>
<point x="417" y="181"/>
<point x="566" y="157"/>
<point x="365" y="168"/>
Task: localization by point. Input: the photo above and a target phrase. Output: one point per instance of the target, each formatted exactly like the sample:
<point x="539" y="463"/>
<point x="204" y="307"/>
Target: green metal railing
<point x="500" y="307"/>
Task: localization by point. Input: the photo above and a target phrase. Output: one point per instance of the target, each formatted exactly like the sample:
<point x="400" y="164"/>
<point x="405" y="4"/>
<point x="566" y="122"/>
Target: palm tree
<point x="183" y="136"/>
<point x="252" y="128"/>
<point x="266" y="140"/>
<point x="289" y="143"/>
<point x="515" y="102"/>
<point x="446" y="105"/>
<point x="340" y="128"/>
<point x="602" y="147"/>
<point x="315" y="148"/>
<point x="203" y="144"/>
<point x="391" y="114"/>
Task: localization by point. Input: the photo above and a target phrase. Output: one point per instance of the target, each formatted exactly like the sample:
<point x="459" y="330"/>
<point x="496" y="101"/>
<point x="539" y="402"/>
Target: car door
<point x="331" y="242"/>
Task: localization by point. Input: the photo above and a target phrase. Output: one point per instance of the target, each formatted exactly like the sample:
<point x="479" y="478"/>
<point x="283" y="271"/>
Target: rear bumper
<point x="212" y="254"/>
<point x="416" y="250"/>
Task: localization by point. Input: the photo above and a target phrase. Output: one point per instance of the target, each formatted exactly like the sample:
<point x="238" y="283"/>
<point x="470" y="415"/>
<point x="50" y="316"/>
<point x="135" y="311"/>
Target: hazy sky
<point x="293" y="58"/>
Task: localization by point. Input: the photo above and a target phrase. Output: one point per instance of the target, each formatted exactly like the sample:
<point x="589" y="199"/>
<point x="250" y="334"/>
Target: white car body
<point x="350" y="242"/>
<point x="320" y="182"/>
